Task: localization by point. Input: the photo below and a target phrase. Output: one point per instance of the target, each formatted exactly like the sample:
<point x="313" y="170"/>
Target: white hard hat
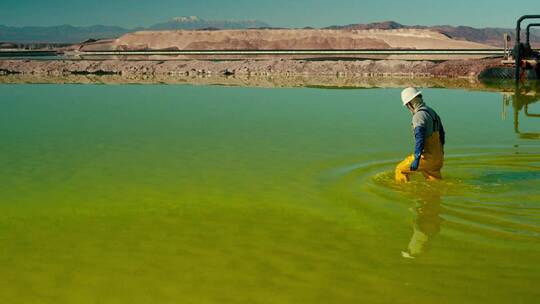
<point x="409" y="94"/>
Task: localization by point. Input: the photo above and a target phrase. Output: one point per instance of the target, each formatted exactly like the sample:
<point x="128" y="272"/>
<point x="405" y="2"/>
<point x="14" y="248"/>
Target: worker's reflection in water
<point x="427" y="222"/>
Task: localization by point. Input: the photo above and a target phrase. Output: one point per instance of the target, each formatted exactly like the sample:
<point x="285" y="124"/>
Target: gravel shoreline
<point x="276" y="67"/>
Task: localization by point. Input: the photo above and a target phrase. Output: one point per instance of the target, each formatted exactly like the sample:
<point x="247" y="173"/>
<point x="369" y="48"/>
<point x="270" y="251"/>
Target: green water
<point x="183" y="194"/>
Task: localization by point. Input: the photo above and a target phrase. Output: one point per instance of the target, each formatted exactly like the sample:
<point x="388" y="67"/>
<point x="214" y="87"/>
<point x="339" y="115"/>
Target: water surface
<point x="185" y="194"/>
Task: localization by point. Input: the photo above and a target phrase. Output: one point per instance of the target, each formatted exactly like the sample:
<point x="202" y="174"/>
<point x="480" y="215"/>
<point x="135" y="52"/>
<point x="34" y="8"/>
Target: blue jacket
<point x="425" y="121"/>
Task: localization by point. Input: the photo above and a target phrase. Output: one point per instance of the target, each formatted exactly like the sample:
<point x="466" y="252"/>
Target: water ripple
<point x="486" y="194"/>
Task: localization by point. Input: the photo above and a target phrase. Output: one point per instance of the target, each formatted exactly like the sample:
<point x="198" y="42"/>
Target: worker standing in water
<point x="429" y="138"/>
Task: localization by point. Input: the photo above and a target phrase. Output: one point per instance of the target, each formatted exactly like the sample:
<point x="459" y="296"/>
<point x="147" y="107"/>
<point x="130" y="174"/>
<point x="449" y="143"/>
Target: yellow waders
<point x="431" y="161"/>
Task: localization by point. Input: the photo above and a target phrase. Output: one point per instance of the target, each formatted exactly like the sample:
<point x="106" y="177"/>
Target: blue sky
<point x="287" y="13"/>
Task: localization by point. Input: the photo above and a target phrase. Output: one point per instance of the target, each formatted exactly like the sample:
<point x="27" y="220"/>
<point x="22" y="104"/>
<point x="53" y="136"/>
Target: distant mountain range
<point x="489" y="36"/>
<point x="75" y="34"/>
<point x="59" y="34"/>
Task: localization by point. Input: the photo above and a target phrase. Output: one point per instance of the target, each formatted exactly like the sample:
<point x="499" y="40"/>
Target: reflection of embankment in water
<point x="252" y="81"/>
<point x="485" y="196"/>
<point x="284" y="80"/>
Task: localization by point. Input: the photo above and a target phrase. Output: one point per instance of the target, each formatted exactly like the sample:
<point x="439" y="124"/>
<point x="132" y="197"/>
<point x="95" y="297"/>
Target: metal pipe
<point x="528" y="32"/>
<point x="518" y="27"/>
<point x="518" y="44"/>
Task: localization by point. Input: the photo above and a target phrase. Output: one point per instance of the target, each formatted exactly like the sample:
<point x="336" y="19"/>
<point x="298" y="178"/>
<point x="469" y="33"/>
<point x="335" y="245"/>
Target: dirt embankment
<point x="282" y="39"/>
